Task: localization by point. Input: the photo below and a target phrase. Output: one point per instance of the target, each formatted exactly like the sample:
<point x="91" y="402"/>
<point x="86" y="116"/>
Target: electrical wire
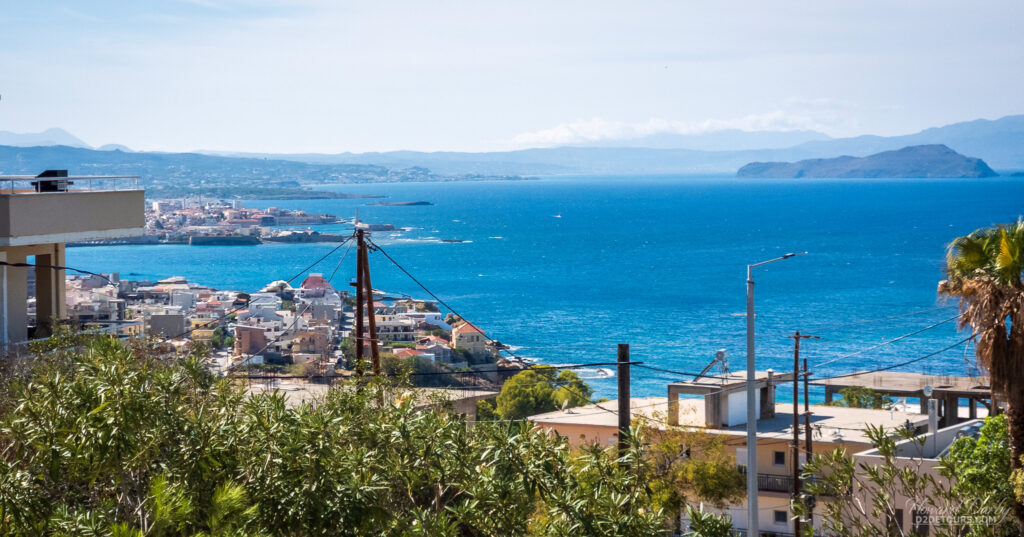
<point x="236" y="309"/>
<point x="340" y="261"/>
<point x="888" y="318"/>
<point x="901" y="364"/>
<point x="57" y="267"/>
<point x="471" y="372"/>
<point x="378" y="248"/>
<point x="905" y="336"/>
<point x="317" y="262"/>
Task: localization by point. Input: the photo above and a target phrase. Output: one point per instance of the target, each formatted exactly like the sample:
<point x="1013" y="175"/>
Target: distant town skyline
<point x="313" y="76"/>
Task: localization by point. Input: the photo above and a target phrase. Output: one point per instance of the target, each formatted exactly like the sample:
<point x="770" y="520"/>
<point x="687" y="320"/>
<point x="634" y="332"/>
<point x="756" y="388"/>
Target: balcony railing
<point x="120" y="329"/>
<point x="30" y="184"/>
<point x="778" y="482"/>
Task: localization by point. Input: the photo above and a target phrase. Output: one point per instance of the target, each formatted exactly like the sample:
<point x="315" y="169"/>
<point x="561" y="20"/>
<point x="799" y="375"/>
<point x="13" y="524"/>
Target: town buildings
<point x="717" y="405"/>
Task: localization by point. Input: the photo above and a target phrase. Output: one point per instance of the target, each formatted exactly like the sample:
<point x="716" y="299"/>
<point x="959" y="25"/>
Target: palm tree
<point x="984" y="272"/>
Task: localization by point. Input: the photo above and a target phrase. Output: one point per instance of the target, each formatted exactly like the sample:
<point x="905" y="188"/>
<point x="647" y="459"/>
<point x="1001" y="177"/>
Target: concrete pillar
<point x="829" y="392"/>
<point x="767" y="397"/>
<point x="15" y="291"/>
<point x="3" y="302"/>
<point x="673" y="406"/>
<point x="50" y="289"/>
<point x="714" y="411"/>
<point x="951" y="409"/>
<point x="924" y="404"/>
<point x="972" y="410"/>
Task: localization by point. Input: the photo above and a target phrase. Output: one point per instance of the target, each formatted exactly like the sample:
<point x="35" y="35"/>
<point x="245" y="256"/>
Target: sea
<point x="563" y="269"/>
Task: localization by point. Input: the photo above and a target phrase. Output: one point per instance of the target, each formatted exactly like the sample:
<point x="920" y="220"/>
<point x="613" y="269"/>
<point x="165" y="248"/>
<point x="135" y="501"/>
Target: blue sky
<point x="331" y="76"/>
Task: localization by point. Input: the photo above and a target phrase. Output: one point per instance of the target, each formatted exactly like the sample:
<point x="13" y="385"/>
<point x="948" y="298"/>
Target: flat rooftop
<point x="733" y="379"/>
<point x="298" y="392"/>
<point x="911" y="384"/>
<point x="605" y="414"/>
<point x="849" y="422"/>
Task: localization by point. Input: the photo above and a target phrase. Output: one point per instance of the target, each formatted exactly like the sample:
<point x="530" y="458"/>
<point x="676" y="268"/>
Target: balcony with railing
<point x="38" y="216"/>
<point x="779" y="482"/>
<point x="54" y="207"/>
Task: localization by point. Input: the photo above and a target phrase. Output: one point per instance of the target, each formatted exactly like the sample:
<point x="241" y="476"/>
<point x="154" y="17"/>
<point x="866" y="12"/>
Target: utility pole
<point x="623" y="378"/>
<point x="795" y="462"/>
<point x="370" y="313"/>
<point x="808" y="446"/>
<point x="359" y="304"/>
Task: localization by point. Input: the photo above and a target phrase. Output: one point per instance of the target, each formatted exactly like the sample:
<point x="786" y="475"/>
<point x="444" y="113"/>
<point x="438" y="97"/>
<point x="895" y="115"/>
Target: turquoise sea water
<point x="565" y="268"/>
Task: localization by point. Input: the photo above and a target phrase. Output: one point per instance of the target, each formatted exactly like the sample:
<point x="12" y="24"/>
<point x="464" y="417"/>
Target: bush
<point x="539" y="389"/>
<point x="102" y="438"/>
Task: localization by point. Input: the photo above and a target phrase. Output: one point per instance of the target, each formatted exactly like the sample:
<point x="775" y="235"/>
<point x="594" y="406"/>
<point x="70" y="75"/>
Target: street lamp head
<point x="787" y="256"/>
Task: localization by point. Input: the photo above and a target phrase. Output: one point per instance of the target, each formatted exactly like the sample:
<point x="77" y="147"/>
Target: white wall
<point x="736" y="407"/>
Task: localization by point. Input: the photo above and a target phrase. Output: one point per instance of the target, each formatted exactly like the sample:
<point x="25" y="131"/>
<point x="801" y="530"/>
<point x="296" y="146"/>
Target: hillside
<point x="998" y="142"/>
<point x="916" y="161"/>
<point x="174" y="174"/>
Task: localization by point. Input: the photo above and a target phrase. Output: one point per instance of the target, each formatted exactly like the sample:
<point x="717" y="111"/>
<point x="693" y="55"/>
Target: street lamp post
<point x="752" y="525"/>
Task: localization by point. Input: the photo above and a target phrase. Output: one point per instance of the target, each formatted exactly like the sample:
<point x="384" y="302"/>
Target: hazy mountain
<point x="173" y="172"/>
<point x="915" y="161"/>
<point x="45" y="138"/>
<point x="724" y="140"/>
<point x="999" y="142"/>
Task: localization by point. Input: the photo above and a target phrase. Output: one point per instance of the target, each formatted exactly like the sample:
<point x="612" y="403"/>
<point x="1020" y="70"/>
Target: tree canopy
<point x="984" y="270"/>
<point x="862" y="397"/>
<point x="101" y="437"/>
<point x="540" y="389"/>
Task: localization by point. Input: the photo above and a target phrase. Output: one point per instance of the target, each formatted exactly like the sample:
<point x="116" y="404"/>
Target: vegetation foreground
<point x="102" y="437"/>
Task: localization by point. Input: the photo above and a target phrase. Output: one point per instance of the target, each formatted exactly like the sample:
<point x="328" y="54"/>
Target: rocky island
<point x="914" y="161"/>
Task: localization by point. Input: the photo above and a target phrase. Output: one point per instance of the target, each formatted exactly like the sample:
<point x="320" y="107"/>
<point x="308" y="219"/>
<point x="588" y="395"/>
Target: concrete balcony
<point x="37" y="216"/>
<point x="29" y="217"/>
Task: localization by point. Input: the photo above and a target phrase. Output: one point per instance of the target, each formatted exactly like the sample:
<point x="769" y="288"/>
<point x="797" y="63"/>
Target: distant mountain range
<point x="723" y="140"/>
<point x="916" y="161"/>
<point x="999" y="142"/>
<point x="176" y="174"/>
<point x="45" y="138"/>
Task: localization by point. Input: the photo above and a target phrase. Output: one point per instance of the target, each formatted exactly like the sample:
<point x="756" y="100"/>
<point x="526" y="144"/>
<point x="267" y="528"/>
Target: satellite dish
<point x="927" y="391"/>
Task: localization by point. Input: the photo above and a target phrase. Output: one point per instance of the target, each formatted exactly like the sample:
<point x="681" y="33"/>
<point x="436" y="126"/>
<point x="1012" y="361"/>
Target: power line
<point x="905" y="336"/>
<point x="434" y="296"/>
<point x="340" y="261"/>
<point x="317" y="262"/>
<point x="887" y="318"/>
<point x="471" y="372"/>
<point x="298" y="316"/>
<point x="236" y="309"/>
<point x="57" y="267"/>
<point x="901" y="364"/>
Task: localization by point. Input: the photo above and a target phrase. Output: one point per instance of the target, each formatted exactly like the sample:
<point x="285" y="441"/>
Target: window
<point x="781" y="517"/>
<point x="780" y="458"/>
<point x="921" y="519"/>
<point x="895" y="522"/>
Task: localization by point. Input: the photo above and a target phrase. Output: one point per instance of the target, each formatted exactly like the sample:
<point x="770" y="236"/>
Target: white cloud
<point x="818" y="117"/>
